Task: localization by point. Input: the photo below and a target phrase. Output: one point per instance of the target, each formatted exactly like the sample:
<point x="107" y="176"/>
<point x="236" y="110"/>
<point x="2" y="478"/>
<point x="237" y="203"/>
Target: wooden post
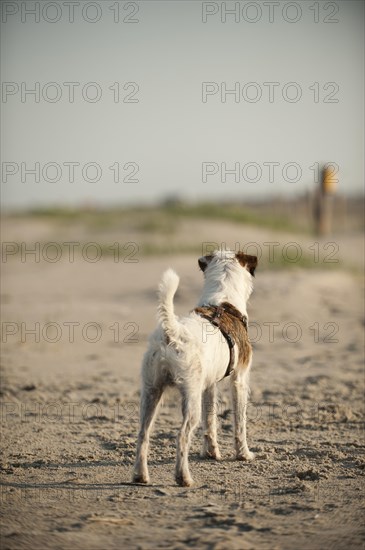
<point x="323" y="201"/>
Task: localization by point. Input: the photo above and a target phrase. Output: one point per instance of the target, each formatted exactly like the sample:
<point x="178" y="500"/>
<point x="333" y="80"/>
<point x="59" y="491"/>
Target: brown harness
<point x="223" y="314"/>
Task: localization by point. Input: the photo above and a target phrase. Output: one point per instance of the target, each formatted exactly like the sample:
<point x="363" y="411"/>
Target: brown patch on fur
<point x="247" y="261"/>
<point x="230" y="320"/>
<point x="208" y="258"/>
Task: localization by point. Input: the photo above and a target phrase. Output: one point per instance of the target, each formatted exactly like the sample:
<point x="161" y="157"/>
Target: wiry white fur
<point x="226" y="281"/>
<point x="191" y="354"/>
<point x="167" y="289"/>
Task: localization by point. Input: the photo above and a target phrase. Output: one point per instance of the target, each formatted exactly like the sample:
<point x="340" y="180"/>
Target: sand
<point x="70" y="400"/>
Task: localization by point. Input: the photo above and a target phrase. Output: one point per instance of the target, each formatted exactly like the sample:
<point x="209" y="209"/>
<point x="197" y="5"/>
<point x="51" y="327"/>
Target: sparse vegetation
<point x="177" y="228"/>
<point x="164" y="218"/>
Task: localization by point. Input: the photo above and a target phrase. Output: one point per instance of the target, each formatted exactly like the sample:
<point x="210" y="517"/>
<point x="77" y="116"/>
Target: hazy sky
<point x="137" y="92"/>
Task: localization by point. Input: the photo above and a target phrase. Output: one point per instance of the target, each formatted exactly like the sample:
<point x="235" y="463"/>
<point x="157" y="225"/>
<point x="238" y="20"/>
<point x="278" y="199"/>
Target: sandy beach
<point x="73" y="336"/>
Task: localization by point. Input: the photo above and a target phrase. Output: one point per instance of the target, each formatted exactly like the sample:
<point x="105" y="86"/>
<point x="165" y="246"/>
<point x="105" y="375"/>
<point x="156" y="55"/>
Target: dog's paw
<point x="210" y="449"/>
<point x="141" y="478"/>
<point x="184" y="481"/>
<point x="246" y="456"/>
<point x="213" y="454"/>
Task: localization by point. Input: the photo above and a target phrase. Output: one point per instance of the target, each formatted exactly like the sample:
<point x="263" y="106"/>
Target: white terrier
<point x="192" y="353"/>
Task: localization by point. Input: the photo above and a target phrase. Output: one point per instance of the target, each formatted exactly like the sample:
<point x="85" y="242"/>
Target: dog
<point x="194" y="352"/>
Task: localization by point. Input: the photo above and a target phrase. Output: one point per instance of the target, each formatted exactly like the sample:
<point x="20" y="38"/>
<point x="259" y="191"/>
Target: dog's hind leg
<point x="149" y="401"/>
<point x="240" y="388"/>
<point x="191" y="408"/>
<point x="209" y="410"/>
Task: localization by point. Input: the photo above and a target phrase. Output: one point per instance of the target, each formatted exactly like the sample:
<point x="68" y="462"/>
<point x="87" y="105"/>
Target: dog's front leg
<point x="239" y="384"/>
<point x="209" y="410"/>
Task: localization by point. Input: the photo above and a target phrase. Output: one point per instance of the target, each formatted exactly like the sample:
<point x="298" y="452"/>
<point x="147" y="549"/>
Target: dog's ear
<point x="204" y="261"/>
<point x="247" y="261"/>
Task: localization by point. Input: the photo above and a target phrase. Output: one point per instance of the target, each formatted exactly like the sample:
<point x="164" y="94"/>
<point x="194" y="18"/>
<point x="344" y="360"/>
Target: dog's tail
<point x="167" y="289"/>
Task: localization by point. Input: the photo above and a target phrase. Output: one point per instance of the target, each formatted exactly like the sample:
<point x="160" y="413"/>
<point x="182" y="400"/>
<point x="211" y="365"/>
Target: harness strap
<point x="229" y="341"/>
<point x="215" y="320"/>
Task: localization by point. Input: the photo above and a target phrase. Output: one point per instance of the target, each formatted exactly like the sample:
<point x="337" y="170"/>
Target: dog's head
<point x="246" y="261"/>
<point x="228" y="277"/>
